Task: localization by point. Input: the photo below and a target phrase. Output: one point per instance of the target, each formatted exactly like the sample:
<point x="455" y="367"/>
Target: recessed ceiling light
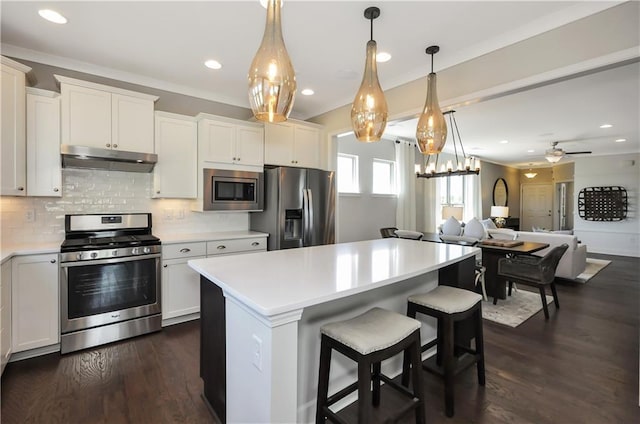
<point x="213" y="64"/>
<point x="52" y="16"/>
<point x="307" y="92"/>
<point x="530" y="151"/>
<point x="504" y="141"/>
<point x="383" y="57"/>
<point x="621" y="140"/>
<point x="264" y="3"/>
<point x="606" y="126"/>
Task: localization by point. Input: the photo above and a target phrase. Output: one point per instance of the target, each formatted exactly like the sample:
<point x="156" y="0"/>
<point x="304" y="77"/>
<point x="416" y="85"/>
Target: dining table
<point x="492" y="252"/>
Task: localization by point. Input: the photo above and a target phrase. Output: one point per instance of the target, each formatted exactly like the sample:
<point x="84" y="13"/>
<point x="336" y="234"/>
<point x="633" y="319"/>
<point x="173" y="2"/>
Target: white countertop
<point x="7" y="252"/>
<point x="195" y="237"/>
<point x="277" y="282"/>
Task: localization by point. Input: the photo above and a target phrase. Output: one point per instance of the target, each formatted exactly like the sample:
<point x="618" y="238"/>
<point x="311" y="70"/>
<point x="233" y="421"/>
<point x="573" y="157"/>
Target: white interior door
<point x="537" y="203"/>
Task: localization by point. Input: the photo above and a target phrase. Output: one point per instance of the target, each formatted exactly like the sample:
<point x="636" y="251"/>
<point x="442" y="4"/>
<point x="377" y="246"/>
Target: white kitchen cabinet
<point x="235" y="246"/>
<point x="34" y="302"/>
<point x="229" y="141"/>
<point x="5" y="314"/>
<point x="13" y="174"/>
<point x="293" y="143"/>
<point x="44" y="176"/>
<point x="180" y="283"/>
<point x="97" y="115"/>
<point x="176" y="144"/>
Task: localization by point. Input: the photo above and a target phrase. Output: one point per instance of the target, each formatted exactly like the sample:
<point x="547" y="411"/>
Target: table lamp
<point x="500" y="213"/>
<point x="454" y="211"/>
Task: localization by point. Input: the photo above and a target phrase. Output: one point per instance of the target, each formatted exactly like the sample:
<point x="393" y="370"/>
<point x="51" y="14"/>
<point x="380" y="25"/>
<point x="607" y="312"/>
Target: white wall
<point x="361" y="216"/>
<point x="92" y="191"/>
<point x="618" y="237"/>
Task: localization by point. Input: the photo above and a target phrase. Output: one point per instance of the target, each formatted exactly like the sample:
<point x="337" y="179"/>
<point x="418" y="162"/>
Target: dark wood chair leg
<point x="543" y="296"/>
<point x="495" y="300"/>
<point x="418" y="390"/>
<point x="439" y="348"/>
<point x="480" y="346"/>
<point x="411" y="313"/>
<point x="364" y="391"/>
<point x="323" y="380"/>
<point x="449" y="366"/>
<point x="376" y="384"/>
<point x="510" y="287"/>
<point x="555" y="294"/>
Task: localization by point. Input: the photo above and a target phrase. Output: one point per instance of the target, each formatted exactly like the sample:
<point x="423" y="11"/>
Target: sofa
<point x="574" y="260"/>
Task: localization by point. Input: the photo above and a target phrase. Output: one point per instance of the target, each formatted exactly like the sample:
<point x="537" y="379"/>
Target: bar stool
<point x="369" y="339"/>
<point x="449" y="305"/>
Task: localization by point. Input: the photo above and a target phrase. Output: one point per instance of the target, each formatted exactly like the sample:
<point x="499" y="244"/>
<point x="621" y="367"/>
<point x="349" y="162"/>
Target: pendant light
<point x="431" y="133"/>
<point x="369" y="110"/>
<point x="272" y="80"/>
<point x="530" y="174"/>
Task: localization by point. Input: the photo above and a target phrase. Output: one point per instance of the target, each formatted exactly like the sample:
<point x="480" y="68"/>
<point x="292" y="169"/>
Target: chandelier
<point x="464" y="165"/>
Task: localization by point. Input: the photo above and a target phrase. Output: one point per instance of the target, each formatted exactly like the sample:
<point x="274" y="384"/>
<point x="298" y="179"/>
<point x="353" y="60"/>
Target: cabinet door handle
<point x="165" y="265"/>
<point x="20" y="188"/>
<point x="158" y="192"/>
<point x="108" y="145"/>
<point x="255" y="243"/>
<point x="115" y="146"/>
<point x="53" y="261"/>
<point x="55" y="189"/>
<point x="221" y="247"/>
<point x="238" y="159"/>
<point x="185" y="250"/>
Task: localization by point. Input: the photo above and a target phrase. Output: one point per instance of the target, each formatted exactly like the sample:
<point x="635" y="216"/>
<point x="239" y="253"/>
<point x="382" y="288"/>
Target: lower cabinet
<point x="5" y="315"/>
<point x="34" y="302"/>
<point x="181" y="284"/>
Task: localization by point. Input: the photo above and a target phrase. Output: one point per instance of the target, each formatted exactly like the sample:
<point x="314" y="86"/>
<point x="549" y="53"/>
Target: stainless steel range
<point x="109" y="279"/>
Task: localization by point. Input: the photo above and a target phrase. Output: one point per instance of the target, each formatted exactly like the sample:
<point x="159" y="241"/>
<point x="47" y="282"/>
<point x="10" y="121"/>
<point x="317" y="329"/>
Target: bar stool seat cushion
<point x="372" y="331"/>
<point x="449" y="300"/>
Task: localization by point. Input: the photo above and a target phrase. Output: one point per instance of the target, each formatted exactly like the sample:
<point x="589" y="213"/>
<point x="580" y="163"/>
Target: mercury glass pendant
<point x="272" y="80"/>
<point x="431" y="133"/>
<point x="369" y="109"/>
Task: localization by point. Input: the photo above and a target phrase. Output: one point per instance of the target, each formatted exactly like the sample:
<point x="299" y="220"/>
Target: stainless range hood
<point x="110" y="160"/>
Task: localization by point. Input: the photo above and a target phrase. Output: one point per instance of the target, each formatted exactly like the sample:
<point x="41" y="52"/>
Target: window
<point x="452" y="190"/>
<point x="384" y="177"/>
<point x="348" y="174"/>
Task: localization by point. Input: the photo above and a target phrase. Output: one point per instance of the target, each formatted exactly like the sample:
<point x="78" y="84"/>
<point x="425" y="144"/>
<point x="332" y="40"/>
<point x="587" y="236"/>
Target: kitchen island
<point x="261" y="314"/>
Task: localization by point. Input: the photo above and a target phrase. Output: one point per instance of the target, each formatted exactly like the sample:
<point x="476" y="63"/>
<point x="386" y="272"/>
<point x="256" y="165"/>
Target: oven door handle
<point x="110" y="260"/>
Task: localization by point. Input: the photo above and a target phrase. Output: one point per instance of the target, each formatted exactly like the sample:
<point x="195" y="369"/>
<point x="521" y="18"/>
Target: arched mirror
<point x="500" y="193"/>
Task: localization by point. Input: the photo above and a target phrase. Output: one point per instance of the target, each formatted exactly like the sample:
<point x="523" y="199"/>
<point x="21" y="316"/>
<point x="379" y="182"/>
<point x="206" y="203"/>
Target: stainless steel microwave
<point x="226" y="190"/>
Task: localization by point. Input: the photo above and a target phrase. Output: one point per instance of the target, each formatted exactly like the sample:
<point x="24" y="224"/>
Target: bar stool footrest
<point x="463" y="362"/>
<point x="400" y="388"/>
<point x="342" y="393"/>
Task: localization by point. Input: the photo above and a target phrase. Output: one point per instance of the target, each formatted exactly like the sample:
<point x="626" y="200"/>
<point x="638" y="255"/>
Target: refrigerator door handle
<point x="305" y="217"/>
<point x="310" y="228"/>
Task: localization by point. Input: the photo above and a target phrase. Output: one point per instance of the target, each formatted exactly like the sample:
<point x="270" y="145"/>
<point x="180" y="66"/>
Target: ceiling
<point x="164" y="45"/>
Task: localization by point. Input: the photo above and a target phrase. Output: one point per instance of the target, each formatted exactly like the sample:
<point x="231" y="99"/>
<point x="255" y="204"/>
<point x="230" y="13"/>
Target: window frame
<point x="392" y="178"/>
<point x="355" y="174"/>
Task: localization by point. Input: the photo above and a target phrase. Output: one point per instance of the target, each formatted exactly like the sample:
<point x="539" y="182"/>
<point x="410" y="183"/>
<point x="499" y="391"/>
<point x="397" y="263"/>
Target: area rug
<point x="515" y="309"/>
<point x="594" y="266"/>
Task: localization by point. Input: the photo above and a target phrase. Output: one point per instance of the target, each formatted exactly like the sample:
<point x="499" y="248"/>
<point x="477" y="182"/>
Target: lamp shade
<point x="499" y="211"/>
<point x="272" y="80"/>
<point x="452" y="211"/>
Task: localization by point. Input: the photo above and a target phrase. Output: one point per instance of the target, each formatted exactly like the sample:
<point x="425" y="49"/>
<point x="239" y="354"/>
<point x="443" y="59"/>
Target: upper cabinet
<point x="13" y="175"/>
<point x="176" y="144"/>
<point x="96" y="115"/>
<point x="230" y="142"/>
<point x="44" y="177"/>
<point x="293" y="143"/>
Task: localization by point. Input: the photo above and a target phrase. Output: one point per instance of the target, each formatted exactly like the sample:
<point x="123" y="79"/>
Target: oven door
<point x="105" y="291"/>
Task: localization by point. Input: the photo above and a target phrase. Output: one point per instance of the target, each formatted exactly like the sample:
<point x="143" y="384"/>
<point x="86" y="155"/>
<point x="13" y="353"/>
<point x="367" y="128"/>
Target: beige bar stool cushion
<point x="374" y="330"/>
<point x="449" y="300"/>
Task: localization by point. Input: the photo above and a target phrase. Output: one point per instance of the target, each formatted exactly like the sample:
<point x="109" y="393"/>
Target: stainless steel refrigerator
<point x="299" y="208"/>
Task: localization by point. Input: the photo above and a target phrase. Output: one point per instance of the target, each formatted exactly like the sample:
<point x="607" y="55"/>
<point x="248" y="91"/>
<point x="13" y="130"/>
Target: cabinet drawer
<point x="183" y="250"/>
<point x="221" y="247"/>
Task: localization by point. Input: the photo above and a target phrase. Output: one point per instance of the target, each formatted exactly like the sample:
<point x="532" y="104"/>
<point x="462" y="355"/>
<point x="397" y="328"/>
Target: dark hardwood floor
<point x="581" y="366"/>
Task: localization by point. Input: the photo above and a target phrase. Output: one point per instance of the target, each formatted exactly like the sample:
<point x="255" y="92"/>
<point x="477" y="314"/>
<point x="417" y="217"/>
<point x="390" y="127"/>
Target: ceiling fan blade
<point x="578" y="153"/>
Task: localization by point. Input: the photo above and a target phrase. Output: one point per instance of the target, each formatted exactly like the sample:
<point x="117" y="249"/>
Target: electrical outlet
<point x="257" y="352"/>
<point x="30" y="215"/>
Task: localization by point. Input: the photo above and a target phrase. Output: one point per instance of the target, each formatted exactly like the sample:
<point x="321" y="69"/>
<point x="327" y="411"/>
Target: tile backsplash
<point x="33" y="220"/>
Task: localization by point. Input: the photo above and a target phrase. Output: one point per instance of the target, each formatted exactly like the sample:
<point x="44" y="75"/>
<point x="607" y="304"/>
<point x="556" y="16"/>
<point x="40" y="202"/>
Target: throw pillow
<point x="474" y="229"/>
<point x="488" y="224"/>
<point x="503" y="234"/>
<point x="451" y="227"/>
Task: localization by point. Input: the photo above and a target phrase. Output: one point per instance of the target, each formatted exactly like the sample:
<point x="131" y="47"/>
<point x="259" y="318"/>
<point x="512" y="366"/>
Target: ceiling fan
<point x="554" y="154"/>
